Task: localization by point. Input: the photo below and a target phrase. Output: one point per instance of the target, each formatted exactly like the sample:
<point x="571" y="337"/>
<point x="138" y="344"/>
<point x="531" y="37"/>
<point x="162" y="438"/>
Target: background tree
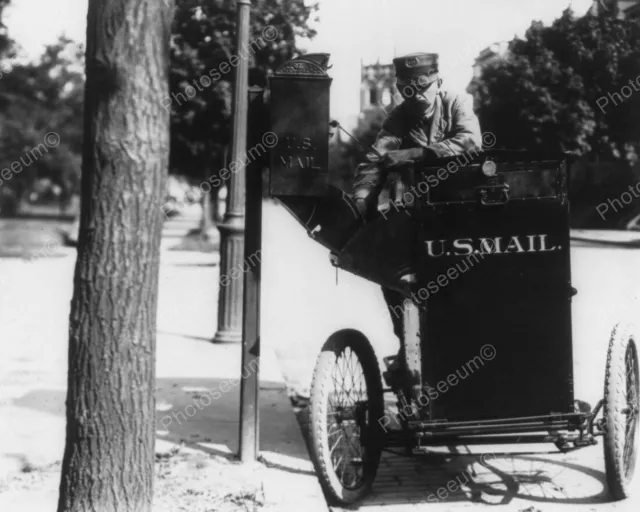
<point x="566" y="87"/>
<point x="108" y="463"/>
<point x="553" y="91"/>
<point x="203" y="60"/>
<point x="6" y="44"/>
<point x="7" y="197"/>
<point x="36" y="99"/>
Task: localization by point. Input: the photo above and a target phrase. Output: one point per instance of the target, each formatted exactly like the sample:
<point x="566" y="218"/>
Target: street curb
<point x="613" y="238"/>
<point x="631" y="244"/>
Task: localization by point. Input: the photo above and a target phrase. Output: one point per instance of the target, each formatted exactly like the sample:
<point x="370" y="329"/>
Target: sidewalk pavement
<point x="214" y="429"/>
<point x="34" y="310"/>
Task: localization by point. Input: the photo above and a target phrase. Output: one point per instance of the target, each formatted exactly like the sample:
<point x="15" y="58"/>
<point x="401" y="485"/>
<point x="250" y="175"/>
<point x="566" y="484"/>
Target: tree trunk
<point x="206" y="224"/>
<point x="215" y="204"/>
<point x="108" y="463"/>
<point x="218" y="204"/>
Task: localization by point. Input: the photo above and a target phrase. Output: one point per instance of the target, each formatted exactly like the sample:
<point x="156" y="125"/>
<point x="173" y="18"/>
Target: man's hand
<point x="366" y="201"/>
<point x="401" y="157"/>
<point x="363" y="206"/>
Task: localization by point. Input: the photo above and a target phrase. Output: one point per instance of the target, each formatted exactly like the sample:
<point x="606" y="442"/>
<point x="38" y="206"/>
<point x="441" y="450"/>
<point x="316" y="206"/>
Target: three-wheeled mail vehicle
<point x="481" y="255"/>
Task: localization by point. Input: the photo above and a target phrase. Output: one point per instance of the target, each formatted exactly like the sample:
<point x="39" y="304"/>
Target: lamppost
<point x="232" y="226"/>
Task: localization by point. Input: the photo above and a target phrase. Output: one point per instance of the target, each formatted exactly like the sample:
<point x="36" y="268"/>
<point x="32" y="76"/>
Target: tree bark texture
<point x="108" y="463"/>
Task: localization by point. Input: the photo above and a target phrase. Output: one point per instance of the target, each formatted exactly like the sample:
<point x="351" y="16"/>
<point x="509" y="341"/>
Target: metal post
<point x="232" y="226"/>
<point x="250" y="381"/>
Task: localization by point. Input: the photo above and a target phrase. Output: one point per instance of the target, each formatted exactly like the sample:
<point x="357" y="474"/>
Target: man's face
<point x="418" y="90"/>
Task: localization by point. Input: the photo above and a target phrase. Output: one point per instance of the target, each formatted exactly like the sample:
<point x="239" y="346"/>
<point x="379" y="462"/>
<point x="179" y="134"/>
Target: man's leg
<point x="405" y="374"/>
<point x="395" y="303"/>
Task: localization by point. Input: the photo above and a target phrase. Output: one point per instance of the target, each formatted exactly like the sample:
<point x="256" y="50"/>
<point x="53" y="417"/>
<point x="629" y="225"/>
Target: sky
<point x="352" y="31"/>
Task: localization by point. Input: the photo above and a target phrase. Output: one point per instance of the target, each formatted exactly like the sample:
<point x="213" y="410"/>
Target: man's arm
<point x="464" y="133"/>
<point x="369" y="178"/>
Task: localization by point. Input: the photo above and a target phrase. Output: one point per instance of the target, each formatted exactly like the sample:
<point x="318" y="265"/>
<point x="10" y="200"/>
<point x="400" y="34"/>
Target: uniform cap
<point x="416" y="65"/>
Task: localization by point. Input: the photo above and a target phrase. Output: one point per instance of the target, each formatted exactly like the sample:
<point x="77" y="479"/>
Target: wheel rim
<point x="347" y="420"/>
<point x="631" y="411"/>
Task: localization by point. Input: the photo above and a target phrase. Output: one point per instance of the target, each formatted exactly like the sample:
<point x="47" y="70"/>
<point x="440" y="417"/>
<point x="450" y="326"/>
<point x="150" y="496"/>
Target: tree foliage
<point x="203" y="59"/>
<point x="41" y="119"/>
<point x="6" y="44"/>
<point x="559" y="87"/>
<point x="47" y="96"/>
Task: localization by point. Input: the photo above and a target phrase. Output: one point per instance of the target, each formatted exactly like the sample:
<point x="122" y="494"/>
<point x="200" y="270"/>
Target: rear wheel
<point x="346" y="409"/>
<point x="621" y="404"/>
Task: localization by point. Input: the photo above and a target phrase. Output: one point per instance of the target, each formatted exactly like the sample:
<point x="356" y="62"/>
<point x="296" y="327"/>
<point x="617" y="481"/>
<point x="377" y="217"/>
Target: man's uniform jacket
<point x="450" y="128"/>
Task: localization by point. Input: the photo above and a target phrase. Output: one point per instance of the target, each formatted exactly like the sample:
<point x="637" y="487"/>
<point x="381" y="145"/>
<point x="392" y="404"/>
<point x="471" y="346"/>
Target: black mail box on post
<point x="299" y="103"/>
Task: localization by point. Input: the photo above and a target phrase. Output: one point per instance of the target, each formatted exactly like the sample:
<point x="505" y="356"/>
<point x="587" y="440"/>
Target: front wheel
<point x="621" y="404"/>
<point x="346" y="408"/>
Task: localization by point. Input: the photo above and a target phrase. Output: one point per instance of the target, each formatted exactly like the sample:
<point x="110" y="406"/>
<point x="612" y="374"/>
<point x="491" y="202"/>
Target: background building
<point x="629" y="9"/>
<point x="490" y="55"/>
<point x="377" y="89"/>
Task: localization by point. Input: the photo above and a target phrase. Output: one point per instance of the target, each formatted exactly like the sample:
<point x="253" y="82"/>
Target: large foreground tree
<point x="108" y="462"/>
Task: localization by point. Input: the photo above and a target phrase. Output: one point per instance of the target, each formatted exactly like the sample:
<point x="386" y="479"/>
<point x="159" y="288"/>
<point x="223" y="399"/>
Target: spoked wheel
<point x="346" y="416"/>
<point x="621" y="401"/>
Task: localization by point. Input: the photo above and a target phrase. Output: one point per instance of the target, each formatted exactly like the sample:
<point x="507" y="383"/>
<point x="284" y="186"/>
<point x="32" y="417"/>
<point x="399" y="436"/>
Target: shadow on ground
<point x="203" y="414"/>
<point x="457" y="478"/>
